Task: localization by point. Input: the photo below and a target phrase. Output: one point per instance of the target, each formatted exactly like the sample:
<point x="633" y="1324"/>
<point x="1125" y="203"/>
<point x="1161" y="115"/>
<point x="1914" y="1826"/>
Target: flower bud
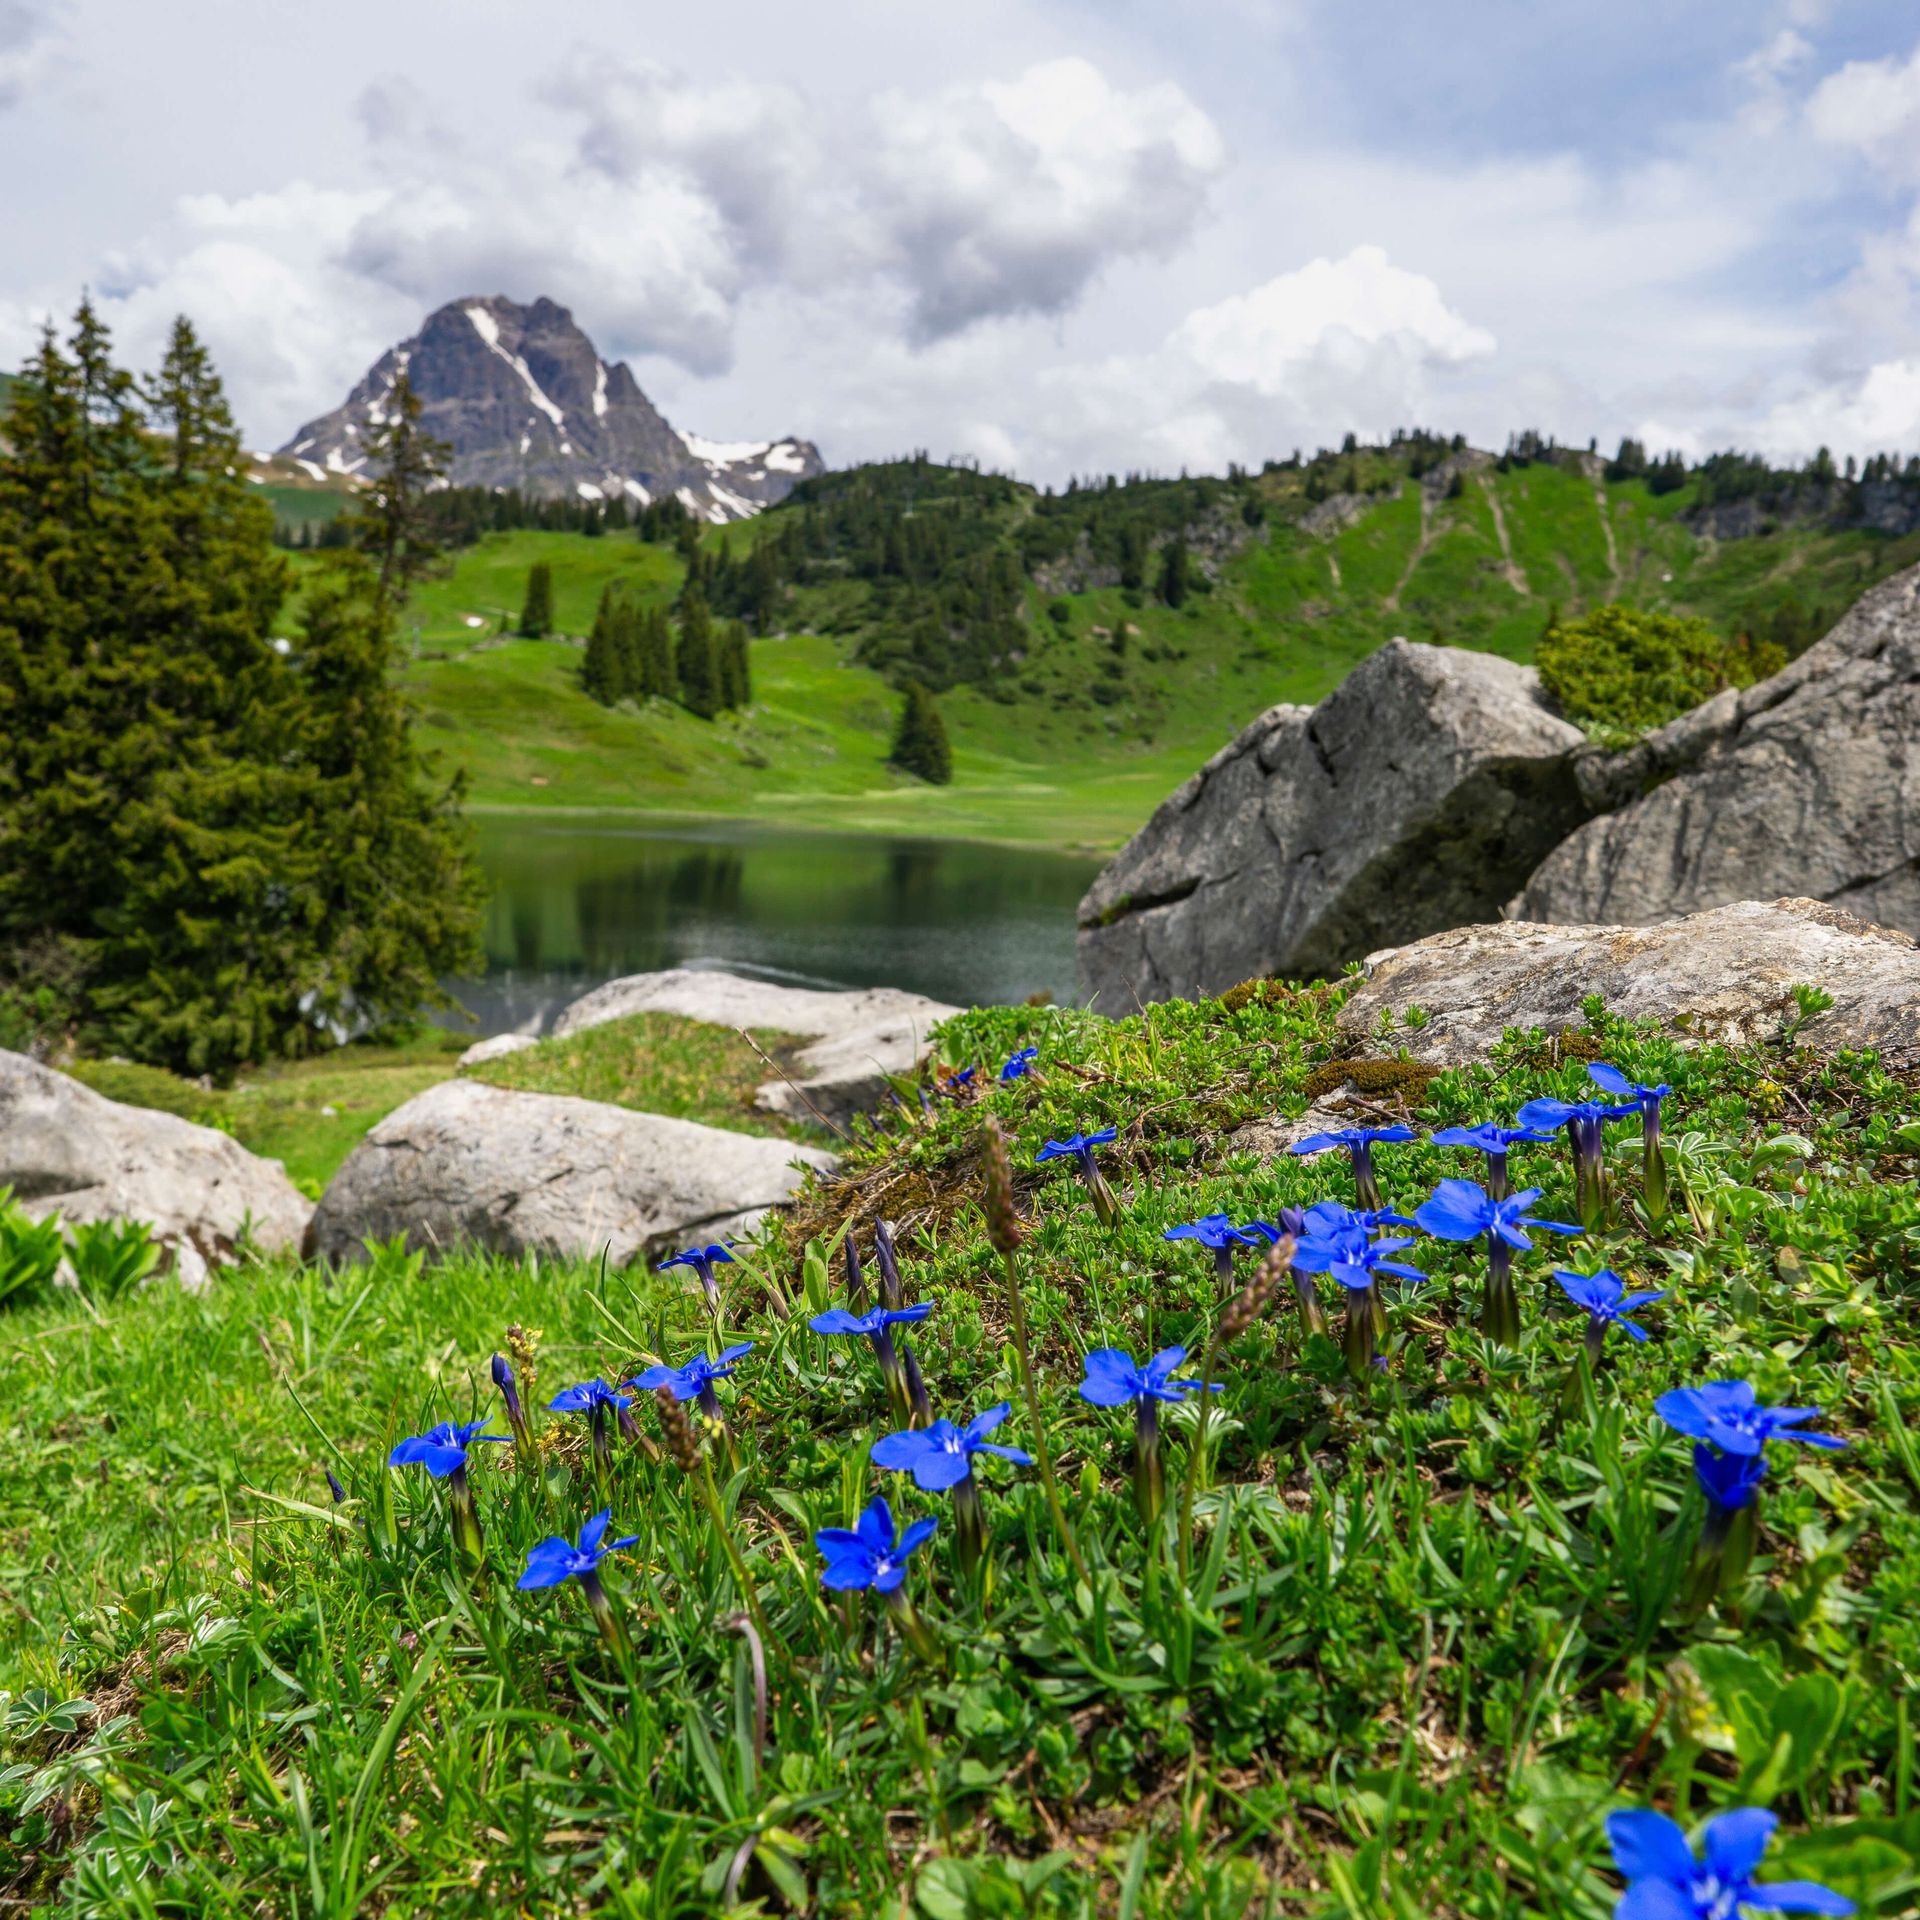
<point x="1003" y="1221"/>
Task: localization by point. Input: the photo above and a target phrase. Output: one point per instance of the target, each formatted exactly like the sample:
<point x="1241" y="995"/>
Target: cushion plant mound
<point x="1730" y="972"/>
<point x="465" y="1164"/>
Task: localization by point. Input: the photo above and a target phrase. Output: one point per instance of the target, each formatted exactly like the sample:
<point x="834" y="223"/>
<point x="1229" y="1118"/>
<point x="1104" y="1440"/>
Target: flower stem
<point x="1042" y="1451"/>
<point x="1500" y="1309"/>
<point x="731" y="1548"/>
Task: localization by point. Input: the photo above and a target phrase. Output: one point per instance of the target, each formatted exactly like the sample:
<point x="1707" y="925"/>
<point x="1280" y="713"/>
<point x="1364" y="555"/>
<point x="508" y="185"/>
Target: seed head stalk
<point x="1003" y="1230"/>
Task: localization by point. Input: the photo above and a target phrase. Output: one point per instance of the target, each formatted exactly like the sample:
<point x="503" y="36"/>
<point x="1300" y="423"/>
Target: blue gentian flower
<point x="1584" y="1121"/>
<point x="940" y="1458"/>
<point x="1359" y="1143"/>
<point x="893" y="1293"/>
<point x="1462" y="1210"/>
<point x="877" y="1327"/>
<point x="334" y="1487"/>
<point x="702" y="1260"/>
<point x="1721" y="1556"/>
<point x="442" y="1450"/>
<point x="1653" y="1159"/>
<point x="597" y="1401"/>
<point x="1666" y="1882"/>
<point x="1079" y="1147"/>
<point x="1341" y="1243"/>
<point x="517" y="1423"/>
<point x="556" y="1560"/>
<point x="1112" y="1381"/>
<point x="1608" y="1303"/>
<point x="868" y="1555"/>
<point x="694" y="1379"/>
<point x="1019" y="1064"/>
<point x="1217" y="1233"/>
<point x="839" y="1320"/>
<point x="1495" y="1142"/>
<point x="1291" y="1222"/>
<point x="952" y="1083"/>
<point x="1729" y="1413"/>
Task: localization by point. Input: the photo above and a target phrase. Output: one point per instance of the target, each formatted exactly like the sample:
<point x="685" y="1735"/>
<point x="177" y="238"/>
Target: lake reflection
<point x="576" y="902"/>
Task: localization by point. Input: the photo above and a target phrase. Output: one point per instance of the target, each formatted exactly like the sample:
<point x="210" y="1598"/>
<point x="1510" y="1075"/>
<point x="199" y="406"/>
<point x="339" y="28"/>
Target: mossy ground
<point x="1427" y="1639"/>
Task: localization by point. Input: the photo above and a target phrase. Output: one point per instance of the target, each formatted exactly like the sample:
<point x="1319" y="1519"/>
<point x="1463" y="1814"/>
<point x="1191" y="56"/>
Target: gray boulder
<point x="1728" y="973"/>
<point x="495" y="1047"/>
<point x="860" y="1038"/>
<point x="465" y="1164"/>
<point x="1807" y="784"/>
<point x="65" y="1149"/>
<point x="1413" y="797"/>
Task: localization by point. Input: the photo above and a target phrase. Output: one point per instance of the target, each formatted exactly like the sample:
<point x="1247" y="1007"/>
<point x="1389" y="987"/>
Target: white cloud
<point x="1012" y="197"/>
<point x="1872" y="106"/>
<point x="30" y="48"/>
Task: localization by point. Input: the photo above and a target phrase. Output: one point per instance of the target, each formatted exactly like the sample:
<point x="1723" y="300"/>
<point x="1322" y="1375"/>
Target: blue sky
<point x="1057" y="237"/>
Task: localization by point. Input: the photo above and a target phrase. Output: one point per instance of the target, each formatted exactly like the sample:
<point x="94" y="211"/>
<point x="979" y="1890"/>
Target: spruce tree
<point x="736" y="683"/>
<point x="920" y="744"/>
<point x="655" y="680"/>
<point x="695" y="668"/>
<point x="536" y="610"/>
<point x="603" y="673"/>
<point x="1173" y="571"/>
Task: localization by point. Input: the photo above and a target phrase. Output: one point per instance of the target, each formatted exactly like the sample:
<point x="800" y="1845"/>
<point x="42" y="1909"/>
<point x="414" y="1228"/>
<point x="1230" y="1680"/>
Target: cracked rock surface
<point x="1416" y="796"/>
<point x="465" y="1164"/>
<point x="1807" y="784"/>
<point x="65" y="1149"/>
<point x="1728" y="974"/>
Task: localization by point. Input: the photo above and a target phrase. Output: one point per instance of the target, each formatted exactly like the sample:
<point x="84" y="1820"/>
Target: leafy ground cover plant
<point x="1396" y="1644"/>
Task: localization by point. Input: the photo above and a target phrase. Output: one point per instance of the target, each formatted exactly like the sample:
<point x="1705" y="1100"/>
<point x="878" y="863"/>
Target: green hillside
<point x="1075" y="702"/>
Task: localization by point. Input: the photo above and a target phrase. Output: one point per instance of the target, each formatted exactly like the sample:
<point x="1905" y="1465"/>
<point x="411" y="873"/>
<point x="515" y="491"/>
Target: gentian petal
<point x="1647" y="1845"/>
<point x="898" y="1452"/>
<point x="1655" y="1900"/>
<point x="1014" y="1454"/>
<point x="1611" y="1079"/>
<point x="655" y="1378"/>
<point x="875" y="1525"/>
<point x="595" y="1531"/>
<point x="937" y="1470"/>
<point x="916" y="1536"/>
<point x="984" y="1423"/>
<point x="1735" y="1842"/>
<point x="1796" y="1896"/>
<point x="838" y="1320"/>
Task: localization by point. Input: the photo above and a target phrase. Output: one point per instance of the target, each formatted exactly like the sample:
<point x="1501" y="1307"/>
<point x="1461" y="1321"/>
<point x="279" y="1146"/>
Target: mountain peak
<point x="523" y="397"/>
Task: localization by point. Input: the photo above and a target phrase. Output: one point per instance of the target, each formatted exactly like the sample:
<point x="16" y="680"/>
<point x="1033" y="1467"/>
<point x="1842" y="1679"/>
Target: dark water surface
<point x="579" y="901"/>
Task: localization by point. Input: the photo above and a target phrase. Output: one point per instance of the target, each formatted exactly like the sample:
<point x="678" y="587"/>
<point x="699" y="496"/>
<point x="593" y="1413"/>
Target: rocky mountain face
<point x="1416" y="795"/>
<point x="524" y="399"/>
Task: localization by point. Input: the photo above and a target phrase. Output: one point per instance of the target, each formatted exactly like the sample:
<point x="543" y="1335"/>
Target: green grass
<point x="310" y="1114"/>
<point x="1427" y="1639"/>
<point x="659" y="1063"/>
<point x="1084" y="743"/>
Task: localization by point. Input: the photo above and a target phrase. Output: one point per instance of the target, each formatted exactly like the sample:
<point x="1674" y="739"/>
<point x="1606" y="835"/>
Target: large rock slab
<point x="861" y="1037"/>
<point x="65" y="1149"/>
<point x="465" y="1164"/>
<point x="1414" y="797"/>
<point x="1728" y="973"/>
<point x="1807" y="784"/>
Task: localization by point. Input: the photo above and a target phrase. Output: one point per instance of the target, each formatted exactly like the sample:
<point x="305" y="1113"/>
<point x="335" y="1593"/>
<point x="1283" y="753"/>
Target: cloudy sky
<point x="1059" y="235"/>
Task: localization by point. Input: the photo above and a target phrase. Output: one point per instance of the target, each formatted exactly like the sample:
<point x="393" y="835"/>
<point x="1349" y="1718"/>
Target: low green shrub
<point x="1622" y="669"/>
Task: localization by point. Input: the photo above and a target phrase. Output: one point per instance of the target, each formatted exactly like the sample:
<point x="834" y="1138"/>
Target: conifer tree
<point x="654" y="680"/>
<point x="920" y="744"/>
<point x="695" y="667"/>
<point x="394" y="522"/>
<point x="1173" y="571"/>
<point x="736" y="683"/>
<point x="536" y="610"/>
<point x="603" y="673"/>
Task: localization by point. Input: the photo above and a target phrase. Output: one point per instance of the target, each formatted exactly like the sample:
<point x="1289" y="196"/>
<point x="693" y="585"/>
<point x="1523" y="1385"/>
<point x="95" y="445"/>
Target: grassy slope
<point x="1290" y="616"/>
<point x="1430" y="1639"/>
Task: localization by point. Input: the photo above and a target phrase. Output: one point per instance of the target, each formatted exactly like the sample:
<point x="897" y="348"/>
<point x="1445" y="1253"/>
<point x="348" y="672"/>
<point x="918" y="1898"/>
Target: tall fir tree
<point x="655" y="680"/>
<point x="695" y="668"/>
<point x="920" y="744"/>
<point x="536" y="610"/>
<point x="736" y="675"/>
<point x="1174" y="571"/>
<point x="224" y="855"/>
<point x="603" y="673"/>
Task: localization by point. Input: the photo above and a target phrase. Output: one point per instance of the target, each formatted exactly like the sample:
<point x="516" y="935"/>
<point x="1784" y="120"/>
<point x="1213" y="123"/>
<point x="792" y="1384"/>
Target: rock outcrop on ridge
<point x="1808" y="783"/>
<point x="1411" y="799"/>
<point x="65" y="1149"/>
